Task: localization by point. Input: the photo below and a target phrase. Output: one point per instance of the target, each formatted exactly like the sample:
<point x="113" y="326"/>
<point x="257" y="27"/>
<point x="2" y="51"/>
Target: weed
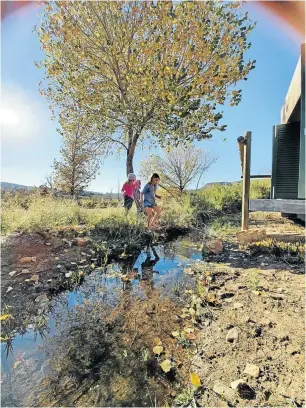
<point x="185" y="397"/>
<point x="253" y="283"/>
<point x="145" y="354"/>
<point x="183" y="341"/>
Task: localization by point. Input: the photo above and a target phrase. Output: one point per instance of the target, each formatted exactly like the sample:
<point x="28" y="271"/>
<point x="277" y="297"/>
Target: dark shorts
<point x="147" y="204"/>
<point x="128" y="202"/>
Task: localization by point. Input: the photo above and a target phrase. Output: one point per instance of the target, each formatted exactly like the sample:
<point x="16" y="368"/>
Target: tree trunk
<point x="129" y="158"/>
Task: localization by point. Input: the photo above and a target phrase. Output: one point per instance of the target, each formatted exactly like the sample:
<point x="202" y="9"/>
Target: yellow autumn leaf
<point x="157" y="341"/>
<point x="166" y="366"/>
<point x="7" y="316"/>
<point x="16" y="364"/>
<point x="158" y="350"/>
<point x="175" y="333"/>
<point x="6" y="338"/>
<point x="195" y="379"/>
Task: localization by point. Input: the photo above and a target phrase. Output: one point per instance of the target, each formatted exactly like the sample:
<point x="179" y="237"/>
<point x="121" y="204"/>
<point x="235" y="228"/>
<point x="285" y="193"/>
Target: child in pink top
<point x="128" y="192"/>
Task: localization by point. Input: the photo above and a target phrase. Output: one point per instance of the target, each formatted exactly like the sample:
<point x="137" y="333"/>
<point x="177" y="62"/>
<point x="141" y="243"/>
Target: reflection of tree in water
<point x="169" y="251"/>
<point x="98" y="357"/>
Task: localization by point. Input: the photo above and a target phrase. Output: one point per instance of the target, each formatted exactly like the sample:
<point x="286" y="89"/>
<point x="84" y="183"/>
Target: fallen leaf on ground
<point x="16" y="364"/>
<point x="195" y="379"/>
<point x="191" y="336"/>
<point x="158" y="349"/>
<point x="175" y="333"/>
<point x="34" y="278"/>
<point x="7" y="316"/>
<point x="9" y="289"/>
<point x="12" y="273"/>
<point x="166" y="366"/>
<point x="157" y="341"/>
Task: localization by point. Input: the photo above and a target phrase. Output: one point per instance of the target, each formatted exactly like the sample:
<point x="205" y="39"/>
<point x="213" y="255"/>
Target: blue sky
<point x="30" y="142"/>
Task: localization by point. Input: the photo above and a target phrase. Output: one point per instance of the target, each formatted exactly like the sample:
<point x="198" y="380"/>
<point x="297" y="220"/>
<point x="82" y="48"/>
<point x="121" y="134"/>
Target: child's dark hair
<point x="154" y="175"/>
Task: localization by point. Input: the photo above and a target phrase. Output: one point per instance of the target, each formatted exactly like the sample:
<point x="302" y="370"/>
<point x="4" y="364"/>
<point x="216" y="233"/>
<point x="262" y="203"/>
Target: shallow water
<point x="81" y="343"/>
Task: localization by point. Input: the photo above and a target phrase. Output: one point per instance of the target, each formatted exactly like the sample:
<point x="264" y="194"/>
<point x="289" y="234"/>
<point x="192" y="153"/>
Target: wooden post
<point x="246" y="172"/>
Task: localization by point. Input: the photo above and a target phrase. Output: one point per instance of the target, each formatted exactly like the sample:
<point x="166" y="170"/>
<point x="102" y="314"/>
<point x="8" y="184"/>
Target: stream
<point x="92" y="346"/>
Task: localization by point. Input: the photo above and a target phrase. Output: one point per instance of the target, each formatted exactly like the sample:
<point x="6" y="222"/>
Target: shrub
<point x="179" y="212"/>
<point x="228" y="198"/>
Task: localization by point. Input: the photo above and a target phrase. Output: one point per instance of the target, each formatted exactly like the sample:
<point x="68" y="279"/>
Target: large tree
<point x="178" y="167"/>
<point x="145" y="72"/>
<point x="79" y="161"/>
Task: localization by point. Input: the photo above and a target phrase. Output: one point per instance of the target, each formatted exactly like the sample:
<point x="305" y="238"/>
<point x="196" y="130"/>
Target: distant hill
<point x="15" y="187"/>
<point x="12" y="186"/>
<point x="218" y="183"/>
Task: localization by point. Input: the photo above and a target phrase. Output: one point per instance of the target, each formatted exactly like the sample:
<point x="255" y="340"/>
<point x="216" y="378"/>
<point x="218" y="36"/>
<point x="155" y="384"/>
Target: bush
<point x="179" y="212"/>
<point x="228" y="198"/>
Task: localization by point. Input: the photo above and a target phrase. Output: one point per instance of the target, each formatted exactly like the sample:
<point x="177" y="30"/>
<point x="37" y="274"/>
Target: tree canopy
<point x="152" y="72"/>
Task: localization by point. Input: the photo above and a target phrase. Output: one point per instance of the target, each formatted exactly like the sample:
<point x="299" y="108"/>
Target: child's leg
<point x="128" y="202"/>
<point x="157" y="212"/>
<point x="149" y="212"/>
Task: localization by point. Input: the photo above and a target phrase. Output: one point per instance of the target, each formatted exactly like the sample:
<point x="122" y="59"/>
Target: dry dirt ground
<point x="263" y="309"/>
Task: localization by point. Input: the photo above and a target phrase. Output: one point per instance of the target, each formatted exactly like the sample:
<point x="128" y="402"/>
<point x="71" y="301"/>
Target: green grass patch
<point x="228" y="198"/>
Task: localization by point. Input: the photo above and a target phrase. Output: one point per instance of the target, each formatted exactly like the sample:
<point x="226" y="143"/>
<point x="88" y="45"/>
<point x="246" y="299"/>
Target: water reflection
<point x="96" y="336"/>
